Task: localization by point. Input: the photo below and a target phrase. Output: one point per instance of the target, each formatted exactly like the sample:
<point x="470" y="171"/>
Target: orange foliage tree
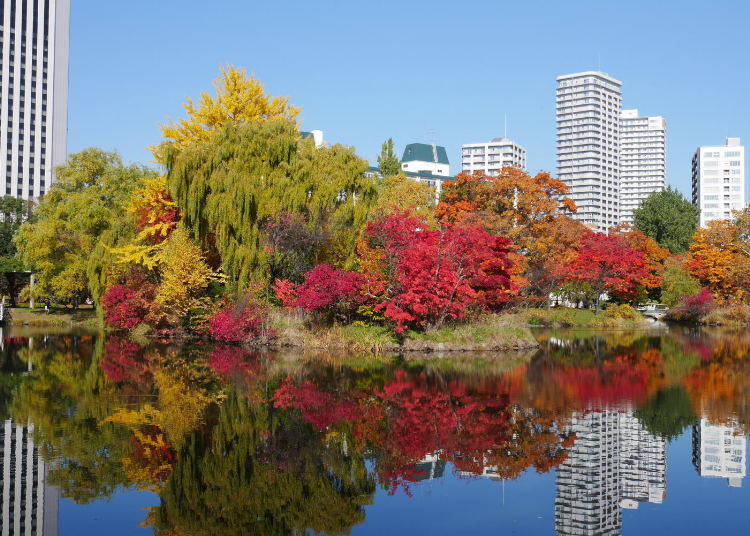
<point x="654" y="255"/>
<point x="530" y="210"/>
<point x="720" y="257"/>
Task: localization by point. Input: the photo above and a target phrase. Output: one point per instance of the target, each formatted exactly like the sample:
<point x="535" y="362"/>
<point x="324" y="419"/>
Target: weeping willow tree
<point x="229" y="186"/>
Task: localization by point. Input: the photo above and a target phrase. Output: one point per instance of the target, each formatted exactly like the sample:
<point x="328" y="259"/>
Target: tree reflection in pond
<point x="235" y="441"/>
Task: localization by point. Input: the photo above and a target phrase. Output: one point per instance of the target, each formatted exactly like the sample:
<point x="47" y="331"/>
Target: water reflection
<point x="235" y="442"/>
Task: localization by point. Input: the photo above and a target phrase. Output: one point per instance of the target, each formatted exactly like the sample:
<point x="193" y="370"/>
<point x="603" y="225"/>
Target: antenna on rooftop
<point x="505" y="130"/>
<point x="599" y="61"/>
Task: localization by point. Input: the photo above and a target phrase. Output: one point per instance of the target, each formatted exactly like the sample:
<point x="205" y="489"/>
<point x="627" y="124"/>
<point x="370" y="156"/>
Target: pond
<point x="616" y="432"/>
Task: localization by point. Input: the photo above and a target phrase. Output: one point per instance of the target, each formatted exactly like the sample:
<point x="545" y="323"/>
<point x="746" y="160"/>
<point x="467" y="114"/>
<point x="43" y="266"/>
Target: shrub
<point x="621" y="312"/>
<point x="677" y="283"/>
<point x="127" y="305"/>
<point x="732" y="314"/>
<point x="326" y="290"/>
<point x="240" y="321"/>
<point x="693" y="308"/>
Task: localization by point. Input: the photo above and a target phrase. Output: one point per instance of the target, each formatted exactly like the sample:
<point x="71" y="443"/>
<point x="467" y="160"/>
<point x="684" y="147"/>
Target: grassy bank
<point x="490" y="333"/>
<point x="614" y="317"/>
<point x="57" y="318"/>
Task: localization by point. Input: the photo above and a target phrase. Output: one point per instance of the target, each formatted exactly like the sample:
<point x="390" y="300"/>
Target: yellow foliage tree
<point x="239" y="99"/>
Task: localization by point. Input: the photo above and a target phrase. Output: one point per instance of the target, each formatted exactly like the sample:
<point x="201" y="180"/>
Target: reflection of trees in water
<point x="258" y="473"/>
<point x="273" y="445"/>
<point x="66" y="397"/>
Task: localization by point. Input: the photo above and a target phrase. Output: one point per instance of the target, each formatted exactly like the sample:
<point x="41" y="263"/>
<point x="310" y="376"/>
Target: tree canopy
<point x="80" y="216"/>
<point x="668" y="218"/>
<point x="228" y="187"/>
<point x="387" y="160"/>
<point x="239" y="99"/>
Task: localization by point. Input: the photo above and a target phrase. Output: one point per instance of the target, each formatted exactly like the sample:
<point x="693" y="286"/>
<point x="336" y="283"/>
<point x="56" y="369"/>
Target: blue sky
<point x="412" y="70"/>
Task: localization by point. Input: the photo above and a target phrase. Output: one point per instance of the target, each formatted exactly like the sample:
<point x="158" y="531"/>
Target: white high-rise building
<point x="588" y="145"/>
<point x="720" y="451"/>
<point x="34" y="97"/>
<point x="719" y="180"/>
<point x="643" y="160"/>
<point x="492" y="156"/>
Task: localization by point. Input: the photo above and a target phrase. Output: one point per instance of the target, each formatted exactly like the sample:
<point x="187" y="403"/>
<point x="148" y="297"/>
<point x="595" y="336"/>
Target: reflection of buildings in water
<point x="720" y="450"/>
<point x="429" y="468"/>
<point x="614" y="463"/>
<point x="28" y="505"/>
<point x="643" y="464"/>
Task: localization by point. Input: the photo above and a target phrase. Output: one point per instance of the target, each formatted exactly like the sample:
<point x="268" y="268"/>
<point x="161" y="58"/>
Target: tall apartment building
<point x="720" y="451"/>
<point x="34" y="93"/>
<point x="27" y="505"/>
<point x="719" y="180"/>
<point x="589" y="105"/>
<point x="643" y="160"/>
<point x="492" y="156"/>
<point x="615" y="463"/>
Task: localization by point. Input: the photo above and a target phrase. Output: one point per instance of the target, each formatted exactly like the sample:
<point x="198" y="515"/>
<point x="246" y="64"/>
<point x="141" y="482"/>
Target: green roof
<point x="424" y="152"/>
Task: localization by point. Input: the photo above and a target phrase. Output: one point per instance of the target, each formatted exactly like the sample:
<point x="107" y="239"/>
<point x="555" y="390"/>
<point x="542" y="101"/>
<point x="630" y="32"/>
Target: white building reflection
<point x="614" y="463"/>
<point x="29" y="506"/>
<point x="720" y="451"/>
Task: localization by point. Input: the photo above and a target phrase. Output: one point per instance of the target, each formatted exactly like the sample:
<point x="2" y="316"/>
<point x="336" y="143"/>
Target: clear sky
<point x="441" y="71"/>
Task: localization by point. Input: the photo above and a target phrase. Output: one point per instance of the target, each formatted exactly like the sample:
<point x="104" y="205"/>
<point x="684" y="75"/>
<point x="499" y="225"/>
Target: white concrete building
<point x="588" y="145"/>
<point x="720" y="451"/>
<point x="34" y="97"/>
<point x="643" y="160"/>
<point x="426" y="158"/>
<point x="719" y="180"/>
<point x="492" y="156"/>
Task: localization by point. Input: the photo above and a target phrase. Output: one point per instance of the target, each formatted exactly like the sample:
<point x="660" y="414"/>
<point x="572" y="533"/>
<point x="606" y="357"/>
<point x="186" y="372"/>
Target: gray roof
<point x="424" y="152"/>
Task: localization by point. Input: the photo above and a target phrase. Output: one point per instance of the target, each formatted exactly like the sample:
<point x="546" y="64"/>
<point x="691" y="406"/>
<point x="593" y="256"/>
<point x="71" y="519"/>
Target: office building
<point x="588" y="145"/>
<point x="34" y="96"/>
<point x="720" y="451"/>
<point x="426" y="158"/>
<point x="719" y="180"/>
<point x="643" y="160"/>
<point x="491" y="157"/>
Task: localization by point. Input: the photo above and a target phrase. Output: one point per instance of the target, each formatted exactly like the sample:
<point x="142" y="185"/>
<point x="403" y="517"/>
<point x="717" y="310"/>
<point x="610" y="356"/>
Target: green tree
<point x="245" y="174"/>
<point x="13" y="212"/>
<point x="668" y="218"/>
<point x="387" y="160"/>
<point x="677" y="283"/>
<point x="80" y="217"/>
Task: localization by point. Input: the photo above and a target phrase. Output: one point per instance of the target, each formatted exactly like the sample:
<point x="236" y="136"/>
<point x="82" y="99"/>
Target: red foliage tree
<point x="607" y="264"/>
<point x="419" y="277"/>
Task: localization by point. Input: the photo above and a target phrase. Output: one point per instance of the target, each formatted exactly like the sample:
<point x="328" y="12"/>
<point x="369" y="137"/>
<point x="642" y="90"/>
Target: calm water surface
<point x="610" y="433"/>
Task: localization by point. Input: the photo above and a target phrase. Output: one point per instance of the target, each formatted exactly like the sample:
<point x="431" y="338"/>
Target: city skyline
<point x="664" y="73"/>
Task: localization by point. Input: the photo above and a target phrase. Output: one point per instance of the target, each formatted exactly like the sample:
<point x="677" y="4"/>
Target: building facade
<point x="426" y="158"/>
<point x="491" y="157"/>
<point x="34" y="96"/>
<point x="720" y="451"/>
<point x="589" y="105"/>
<point x="719" y="180"/>
<point x="643" y="160"/>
